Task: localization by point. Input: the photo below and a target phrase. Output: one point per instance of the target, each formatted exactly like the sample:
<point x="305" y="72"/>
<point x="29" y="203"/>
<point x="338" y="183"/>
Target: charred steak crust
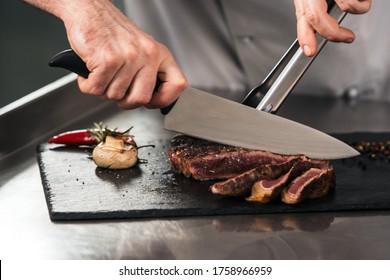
<point x="264" y="175"/>
<point x="204" y="160"/>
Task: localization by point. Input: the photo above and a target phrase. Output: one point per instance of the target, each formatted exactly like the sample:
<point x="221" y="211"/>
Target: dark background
<point x="29" y="37"/>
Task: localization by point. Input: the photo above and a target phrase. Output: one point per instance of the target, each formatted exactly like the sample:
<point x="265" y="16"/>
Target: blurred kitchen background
<point x="29" y="38"/>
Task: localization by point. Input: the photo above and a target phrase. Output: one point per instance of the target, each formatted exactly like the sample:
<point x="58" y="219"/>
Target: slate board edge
<point x="44" y="180"/>
<point x="150" y="214"/>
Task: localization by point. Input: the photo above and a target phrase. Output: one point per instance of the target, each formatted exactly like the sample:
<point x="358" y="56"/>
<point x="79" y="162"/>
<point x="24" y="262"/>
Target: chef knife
<point x="207" y="116"/>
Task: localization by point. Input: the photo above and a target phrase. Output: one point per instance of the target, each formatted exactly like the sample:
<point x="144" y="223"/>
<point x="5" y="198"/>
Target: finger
<point x="354" y="6"/>
<point x="141" y="89"/>
<point x="317" y="16"/>
<point x="306" y="37"/>
<point x="93" y="85"/>
<point x="329" y="28"/>
<point x="99" y="78"/>
<point x="173" y="82"/>
<point x="120" y="83"/>
<point x="305" y="32"/>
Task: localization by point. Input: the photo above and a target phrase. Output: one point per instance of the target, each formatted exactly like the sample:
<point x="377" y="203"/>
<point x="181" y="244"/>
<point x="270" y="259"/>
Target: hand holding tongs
<point x="270" y="94"/>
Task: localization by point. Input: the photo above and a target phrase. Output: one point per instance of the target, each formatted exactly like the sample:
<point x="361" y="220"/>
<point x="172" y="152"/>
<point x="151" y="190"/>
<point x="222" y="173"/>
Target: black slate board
<point x="76" y="189"/>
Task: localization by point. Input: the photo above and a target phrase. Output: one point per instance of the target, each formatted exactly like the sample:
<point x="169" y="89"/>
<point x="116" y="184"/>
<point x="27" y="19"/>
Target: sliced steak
<point x="242" y="184"/>
<point x="205" y="160"/>
<point x="269" y="190"/>
<point x="268" y="175"/>
<point x="313" y="183"/>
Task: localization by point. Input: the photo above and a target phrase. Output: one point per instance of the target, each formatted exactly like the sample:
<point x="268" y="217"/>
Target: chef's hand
<point x="123" y="60"/>
<point x="312" y="17"/>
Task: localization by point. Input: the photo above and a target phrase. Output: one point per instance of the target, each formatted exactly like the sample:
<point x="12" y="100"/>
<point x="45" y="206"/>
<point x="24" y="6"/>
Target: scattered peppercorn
<point x="373" y="150"/>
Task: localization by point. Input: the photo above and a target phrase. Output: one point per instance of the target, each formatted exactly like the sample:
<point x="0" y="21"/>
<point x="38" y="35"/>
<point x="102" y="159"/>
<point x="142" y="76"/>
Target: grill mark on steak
<point x="204" y="160"/>
<point x="242" y="184"/>
<point x="313" y="183"/>
<point x="269" y="190"/>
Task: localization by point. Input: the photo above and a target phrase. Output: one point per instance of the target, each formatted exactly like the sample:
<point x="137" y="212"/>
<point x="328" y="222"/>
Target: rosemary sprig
<point x="101" y="131"/>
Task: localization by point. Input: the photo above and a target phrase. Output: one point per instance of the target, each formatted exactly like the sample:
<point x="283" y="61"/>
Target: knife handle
<point x="69" y="60"/>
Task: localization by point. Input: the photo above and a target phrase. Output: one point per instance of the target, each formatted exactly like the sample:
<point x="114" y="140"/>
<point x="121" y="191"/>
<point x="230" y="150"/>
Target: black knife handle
<point x="69" y="60"/>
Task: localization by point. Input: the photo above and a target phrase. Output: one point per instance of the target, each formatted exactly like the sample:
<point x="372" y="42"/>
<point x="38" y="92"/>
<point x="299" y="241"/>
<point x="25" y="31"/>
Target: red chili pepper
<point x="75" y="137"/>
<point x="91" y="137"/>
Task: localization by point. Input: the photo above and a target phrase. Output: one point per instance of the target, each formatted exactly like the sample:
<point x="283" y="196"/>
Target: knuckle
<point x="134" y="104"/>
<point x="138" y="99"/>
<point x="112" y="62"/>
<point x="345" y="6"/>
<point x="130" y="54"/>
<point x="142" y="100"/>
<point x="312" y="18"/>
<point x="152" y="52"/>
<point x="92" y="89"/>
<point x="330" y="37"/>
<point x="299" y="13"/>
<point x="182" y="84"/>
<point x="150" y="49"/>
<point x="117" y="93"/>
<point x="97" y="90"/>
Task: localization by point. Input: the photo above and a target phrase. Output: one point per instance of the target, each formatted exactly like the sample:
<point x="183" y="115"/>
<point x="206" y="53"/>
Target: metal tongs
<point x="271" y="93"/>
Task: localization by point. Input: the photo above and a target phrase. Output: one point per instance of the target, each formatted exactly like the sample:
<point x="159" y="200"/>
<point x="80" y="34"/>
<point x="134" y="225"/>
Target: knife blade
<point x="207" y="116"/>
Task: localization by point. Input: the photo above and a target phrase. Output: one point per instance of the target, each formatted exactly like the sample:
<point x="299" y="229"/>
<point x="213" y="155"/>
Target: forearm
<point x="83" y="17"/>
<point x="58" y="8"/>
<point x="70" y="10"/>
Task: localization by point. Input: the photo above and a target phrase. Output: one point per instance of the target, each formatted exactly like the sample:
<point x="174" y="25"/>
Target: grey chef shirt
<point x="231" y="45"/>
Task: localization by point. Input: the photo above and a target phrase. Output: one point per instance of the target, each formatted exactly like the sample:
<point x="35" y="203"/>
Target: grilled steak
<point x="204" y="160"/>
<point x="242" y="184"/>
<point x="270" y="190"/>
<point x="313" y="183"/>
<point x="267" y="175"/>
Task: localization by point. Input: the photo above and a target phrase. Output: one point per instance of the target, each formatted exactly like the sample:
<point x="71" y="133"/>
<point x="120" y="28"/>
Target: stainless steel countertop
<point x="27" y="231"/>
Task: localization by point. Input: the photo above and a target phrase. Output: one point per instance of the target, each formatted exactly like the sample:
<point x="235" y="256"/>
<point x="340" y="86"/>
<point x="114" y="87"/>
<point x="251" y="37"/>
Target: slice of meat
<point x="205" y="160"/>
<point x="266" y="174"/>
<point x="269" y="190"/>
<point x="313" y="183"/>
<point x="242" y="184"/>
